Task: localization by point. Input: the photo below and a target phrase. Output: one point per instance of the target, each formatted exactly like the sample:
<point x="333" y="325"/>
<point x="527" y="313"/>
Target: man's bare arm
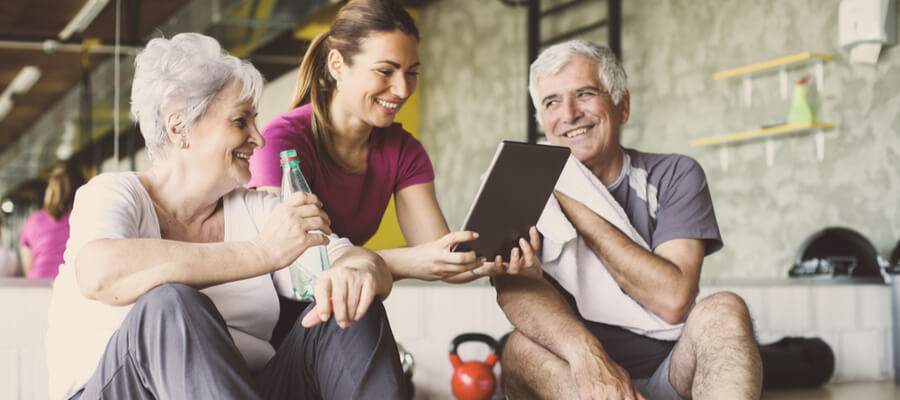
<point x="665" y="280"/>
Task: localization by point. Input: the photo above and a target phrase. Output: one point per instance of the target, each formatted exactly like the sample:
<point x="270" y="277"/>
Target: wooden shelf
<point x="796" y="59"/>
<point x="758" y="133"/>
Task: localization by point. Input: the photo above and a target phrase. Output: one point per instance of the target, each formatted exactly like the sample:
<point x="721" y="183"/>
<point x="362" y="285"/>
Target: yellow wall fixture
<point x="759" y="133"/>
<point x="86" y="46"/>
<point x="797" y="125"/>
<point x="788" y="61"/>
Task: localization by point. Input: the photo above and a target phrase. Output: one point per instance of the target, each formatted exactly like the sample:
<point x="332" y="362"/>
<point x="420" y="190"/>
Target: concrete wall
<point x="473" y="92"/>
<point x="473" y="96"/>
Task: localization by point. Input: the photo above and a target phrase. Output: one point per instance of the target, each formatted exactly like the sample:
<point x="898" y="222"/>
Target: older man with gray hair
<point x="608" y="309"/>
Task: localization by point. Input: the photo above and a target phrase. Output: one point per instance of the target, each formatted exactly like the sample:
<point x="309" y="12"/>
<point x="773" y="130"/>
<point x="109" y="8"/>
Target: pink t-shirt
<point x="47" y="240"/>
<point x="354" y="202"/>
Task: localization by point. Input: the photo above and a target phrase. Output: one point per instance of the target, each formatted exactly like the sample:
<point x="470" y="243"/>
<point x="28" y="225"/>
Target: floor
<point x="881" y="390"/>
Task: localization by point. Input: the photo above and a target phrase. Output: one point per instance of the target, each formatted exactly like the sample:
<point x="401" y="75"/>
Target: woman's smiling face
<point x="379" y="79"/>
<point x="223" y="139"/>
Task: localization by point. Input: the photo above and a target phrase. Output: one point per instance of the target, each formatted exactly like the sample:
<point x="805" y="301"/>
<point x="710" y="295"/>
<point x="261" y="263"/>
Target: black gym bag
<point x="795" y="362"/>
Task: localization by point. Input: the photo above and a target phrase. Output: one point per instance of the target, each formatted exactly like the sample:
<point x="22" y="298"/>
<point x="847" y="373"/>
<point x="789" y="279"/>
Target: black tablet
<point x="512" y="197"/>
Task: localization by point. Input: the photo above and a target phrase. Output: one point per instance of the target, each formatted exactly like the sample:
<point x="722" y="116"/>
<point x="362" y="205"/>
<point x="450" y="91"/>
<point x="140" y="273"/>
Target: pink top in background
<point x="354" y="202"/>
<point x="47" y="240"/>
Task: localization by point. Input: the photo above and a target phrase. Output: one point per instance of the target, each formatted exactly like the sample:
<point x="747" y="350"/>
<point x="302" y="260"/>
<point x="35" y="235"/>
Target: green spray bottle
<point x="800" y="111"/>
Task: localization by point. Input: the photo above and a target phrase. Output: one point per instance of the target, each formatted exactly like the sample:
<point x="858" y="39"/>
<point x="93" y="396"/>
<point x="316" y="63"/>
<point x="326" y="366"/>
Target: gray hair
<point x="183" y="75"/>
<point x="556" y="57"/>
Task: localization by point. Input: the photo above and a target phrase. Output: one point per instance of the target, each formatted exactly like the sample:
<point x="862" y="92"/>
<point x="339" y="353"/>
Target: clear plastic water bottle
<point x="305" y="270"/>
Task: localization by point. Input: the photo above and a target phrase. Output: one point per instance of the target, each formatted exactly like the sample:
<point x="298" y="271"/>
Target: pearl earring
<point x="184" y="144"/>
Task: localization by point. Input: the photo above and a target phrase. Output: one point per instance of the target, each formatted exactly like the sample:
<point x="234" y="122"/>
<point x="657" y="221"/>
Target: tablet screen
<point x="512" y="197"/>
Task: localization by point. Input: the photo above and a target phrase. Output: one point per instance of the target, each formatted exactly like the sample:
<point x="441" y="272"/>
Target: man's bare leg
<point x="532" y="372"/>
<point x="717" y="356"/>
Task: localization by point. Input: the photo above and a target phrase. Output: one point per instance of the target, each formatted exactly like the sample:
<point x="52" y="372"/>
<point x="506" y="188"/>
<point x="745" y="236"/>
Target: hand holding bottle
<point x="305" y="270"/>
<point x="287" y="233"/>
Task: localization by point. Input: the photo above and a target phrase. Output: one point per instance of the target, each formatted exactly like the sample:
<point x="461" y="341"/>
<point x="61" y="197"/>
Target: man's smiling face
<point x="578" y="112"/>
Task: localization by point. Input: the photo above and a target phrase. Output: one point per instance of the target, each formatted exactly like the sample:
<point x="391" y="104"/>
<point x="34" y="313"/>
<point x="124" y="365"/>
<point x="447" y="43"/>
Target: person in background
<point x="353" y="80"/>
<point x="44" y="234"/>
<point x="171" y="278"/>
<point x="9" y="263"/>
<point x="608" y="307"/>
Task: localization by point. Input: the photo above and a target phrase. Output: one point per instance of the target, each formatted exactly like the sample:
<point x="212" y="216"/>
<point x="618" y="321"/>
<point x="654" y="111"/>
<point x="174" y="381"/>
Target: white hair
<point x="556" y="57"/>
<point x="183" y="75"/>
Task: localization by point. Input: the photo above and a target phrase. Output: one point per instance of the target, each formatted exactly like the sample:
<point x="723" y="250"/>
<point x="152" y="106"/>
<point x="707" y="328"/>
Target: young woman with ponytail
<point x="353" y="80"/>
<point x="44" y="234"/>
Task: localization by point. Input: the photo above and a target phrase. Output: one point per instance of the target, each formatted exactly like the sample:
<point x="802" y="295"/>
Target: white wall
<point x="23" y="360"/>
<point x="276" y="97"/>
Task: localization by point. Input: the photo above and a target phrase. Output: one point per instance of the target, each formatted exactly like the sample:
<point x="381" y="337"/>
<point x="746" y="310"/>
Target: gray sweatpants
<point x="173" y="344"/>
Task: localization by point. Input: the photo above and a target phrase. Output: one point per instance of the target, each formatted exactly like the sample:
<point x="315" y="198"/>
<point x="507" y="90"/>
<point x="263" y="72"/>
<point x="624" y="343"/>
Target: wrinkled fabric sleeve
<point x="686" y="208"/>
<point x="105" y="208"/>
<point x="414" y="165"/>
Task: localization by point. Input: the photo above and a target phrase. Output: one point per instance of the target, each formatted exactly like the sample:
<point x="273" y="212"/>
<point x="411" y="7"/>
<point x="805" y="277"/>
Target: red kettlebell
<point x="473" y="380"/>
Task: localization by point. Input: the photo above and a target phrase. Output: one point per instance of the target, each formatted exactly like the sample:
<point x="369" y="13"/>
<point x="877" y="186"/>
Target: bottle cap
<point x="288" y="155"/>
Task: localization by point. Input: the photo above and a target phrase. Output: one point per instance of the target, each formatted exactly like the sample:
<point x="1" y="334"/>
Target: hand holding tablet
<point x="512" y="197"/>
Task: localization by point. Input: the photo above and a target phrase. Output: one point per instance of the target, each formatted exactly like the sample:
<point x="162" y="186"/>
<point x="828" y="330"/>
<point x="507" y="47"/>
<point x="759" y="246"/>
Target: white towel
<point x="569" y="260"/>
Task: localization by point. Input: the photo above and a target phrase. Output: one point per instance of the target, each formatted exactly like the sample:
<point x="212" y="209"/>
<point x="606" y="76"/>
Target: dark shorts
<point x="639" y="355"/>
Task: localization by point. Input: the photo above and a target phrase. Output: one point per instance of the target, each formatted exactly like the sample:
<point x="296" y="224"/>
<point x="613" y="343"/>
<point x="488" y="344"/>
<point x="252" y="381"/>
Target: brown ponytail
<point x="316" y="85"/>
<point x="60" y="193"/>
<point x="354" y="23"/>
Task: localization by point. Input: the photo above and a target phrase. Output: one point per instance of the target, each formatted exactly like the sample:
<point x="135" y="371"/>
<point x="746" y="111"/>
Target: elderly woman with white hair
<point x="171" y="277"/>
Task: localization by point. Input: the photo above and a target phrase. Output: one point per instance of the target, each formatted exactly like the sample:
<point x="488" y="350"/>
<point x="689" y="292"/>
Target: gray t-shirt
<point x="666" y="197"/>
